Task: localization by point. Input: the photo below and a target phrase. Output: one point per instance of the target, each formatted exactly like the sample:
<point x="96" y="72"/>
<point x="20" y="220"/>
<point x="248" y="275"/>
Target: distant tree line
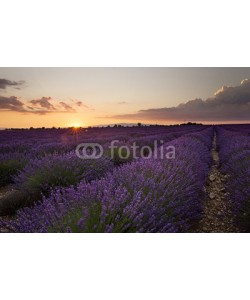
<point x="108" y="126"/>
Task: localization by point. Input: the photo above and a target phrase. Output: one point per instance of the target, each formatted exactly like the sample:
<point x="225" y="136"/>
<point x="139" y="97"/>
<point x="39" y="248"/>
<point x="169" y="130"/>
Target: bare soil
<point x="217" y="216"/>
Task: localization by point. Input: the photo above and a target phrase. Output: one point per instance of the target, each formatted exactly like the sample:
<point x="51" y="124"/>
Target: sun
<point x="76" y="125"/>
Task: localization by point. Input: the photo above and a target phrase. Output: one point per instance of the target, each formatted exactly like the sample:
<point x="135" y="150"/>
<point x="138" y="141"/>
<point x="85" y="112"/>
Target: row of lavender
<point x="25" y="151"/>
<point x="151" y="195"/>
<point x="234" y="151"/>
<point x="39" y="142"/>
<point x="34" y="173"/>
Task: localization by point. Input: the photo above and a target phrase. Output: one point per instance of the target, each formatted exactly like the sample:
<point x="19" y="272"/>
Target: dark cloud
<point x="43" y="103"/>
<point x="227" y="104"/>
<point x="38" y="106"/>
<point x="11" y="103"/>
<point x="14" y="104"/>
<point x="4" y="83"/>
<point x="79" y="103"/>
<point x="67" y="107"/>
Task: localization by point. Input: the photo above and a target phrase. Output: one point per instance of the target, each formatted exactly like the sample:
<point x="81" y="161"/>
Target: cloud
<point x="4" y="83"/>
<point x="122" y="102"/>
<point x="14" y="104"/>
<point x="67" y="107"/>
<point x="79" y="103"/>
<point x="227" y="104"/>
<point x="40" y="106"/>
<point x="44" y="103"/>
<point x="11" y="103"/>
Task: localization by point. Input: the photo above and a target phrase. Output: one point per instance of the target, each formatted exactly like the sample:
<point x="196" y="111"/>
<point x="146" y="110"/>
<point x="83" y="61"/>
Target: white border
<point x="114" y="33"/>
<point x="132" y="33"/>
<point x="124" y="266"/>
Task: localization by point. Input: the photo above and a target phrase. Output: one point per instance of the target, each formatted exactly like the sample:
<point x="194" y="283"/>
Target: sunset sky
<point x="91" y="96"/>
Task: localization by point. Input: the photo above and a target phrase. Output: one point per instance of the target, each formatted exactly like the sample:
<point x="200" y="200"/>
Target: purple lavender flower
<point x="151" y="195"/>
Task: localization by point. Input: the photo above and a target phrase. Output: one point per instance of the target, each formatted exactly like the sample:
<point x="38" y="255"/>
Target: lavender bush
<point x="41" y="175"/>
<point x="151" y="195"/>
<point x="10" y="165"/>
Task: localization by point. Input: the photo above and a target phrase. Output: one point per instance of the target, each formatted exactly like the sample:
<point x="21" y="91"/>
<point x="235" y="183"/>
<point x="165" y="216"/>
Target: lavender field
<point x="204" y="187"/>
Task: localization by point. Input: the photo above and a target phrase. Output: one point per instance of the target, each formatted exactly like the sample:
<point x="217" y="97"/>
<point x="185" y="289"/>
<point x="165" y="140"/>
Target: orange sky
<point x="65" y="97"/>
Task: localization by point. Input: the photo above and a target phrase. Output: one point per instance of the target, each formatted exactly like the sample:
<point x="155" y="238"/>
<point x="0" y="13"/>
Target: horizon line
<point x="124" y="125"/>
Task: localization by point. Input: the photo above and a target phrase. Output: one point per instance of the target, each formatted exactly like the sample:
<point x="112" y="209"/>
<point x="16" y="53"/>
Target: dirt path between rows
<point x="217" y="215"/>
